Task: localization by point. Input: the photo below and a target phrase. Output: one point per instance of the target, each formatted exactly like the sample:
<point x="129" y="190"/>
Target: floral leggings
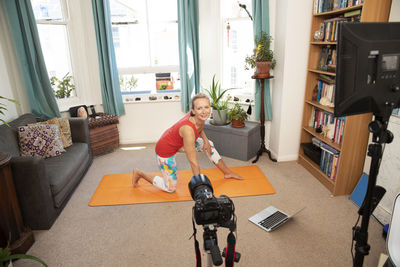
<point x="168" y="167"/>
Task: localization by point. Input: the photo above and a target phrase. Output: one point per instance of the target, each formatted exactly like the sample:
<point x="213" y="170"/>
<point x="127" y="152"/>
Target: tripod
<point x="212" y="249"/>
<point x="374" y="193"/>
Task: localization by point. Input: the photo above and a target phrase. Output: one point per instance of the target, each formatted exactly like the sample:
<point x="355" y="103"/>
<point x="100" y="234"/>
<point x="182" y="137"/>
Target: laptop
<point x="271" y="218"/>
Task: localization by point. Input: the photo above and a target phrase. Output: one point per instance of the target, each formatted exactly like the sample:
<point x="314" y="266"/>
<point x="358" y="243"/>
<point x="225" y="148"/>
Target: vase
<point x="263" y="68"/>
<point x="220" y="116"/>
<point x="237" y="123"/>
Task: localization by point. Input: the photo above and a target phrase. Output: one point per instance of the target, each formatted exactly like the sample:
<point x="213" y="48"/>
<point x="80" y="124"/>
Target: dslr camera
<point x="212" y="212"/>
<point x="209" y="209"/>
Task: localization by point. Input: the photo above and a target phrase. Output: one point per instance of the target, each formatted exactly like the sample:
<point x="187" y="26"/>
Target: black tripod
<point x="374" y="193"/>
<point x="211" y="247"/>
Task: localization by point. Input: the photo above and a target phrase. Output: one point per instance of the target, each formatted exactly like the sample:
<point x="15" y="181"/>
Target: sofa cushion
<point x="66" y="170"/>
<point x="40" y="140"/>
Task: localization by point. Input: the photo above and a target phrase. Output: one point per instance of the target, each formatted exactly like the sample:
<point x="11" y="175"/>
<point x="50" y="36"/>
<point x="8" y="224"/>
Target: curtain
<point x="189" y="65"/>
<point x="23" y="29"/>
<point x="261" y="23"/>
<point x="109" y="79"/>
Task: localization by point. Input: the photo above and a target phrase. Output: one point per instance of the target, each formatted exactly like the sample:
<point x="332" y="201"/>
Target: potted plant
<point x="237" y="115"/>
<point x="219" y="106"/>
<point x="3" y="108"/>
<point x="64" y="87"/>
<point x="263" y="57"/>
<point x="6" y="257"/>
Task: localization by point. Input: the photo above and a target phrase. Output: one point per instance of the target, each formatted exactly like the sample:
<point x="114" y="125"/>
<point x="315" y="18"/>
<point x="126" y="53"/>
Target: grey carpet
<point x="158" y="234"/>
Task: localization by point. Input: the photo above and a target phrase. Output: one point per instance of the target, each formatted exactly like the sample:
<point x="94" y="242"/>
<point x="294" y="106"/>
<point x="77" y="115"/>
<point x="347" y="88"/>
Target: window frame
<point x="150" y="68"/>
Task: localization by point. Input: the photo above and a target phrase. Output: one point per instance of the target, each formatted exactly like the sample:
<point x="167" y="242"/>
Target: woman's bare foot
<point x="233" y="175"/>
<point x="135" y="177"/>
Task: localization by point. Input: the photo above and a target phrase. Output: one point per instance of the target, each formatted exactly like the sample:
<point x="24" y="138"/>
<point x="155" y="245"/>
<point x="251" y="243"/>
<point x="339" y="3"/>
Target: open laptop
<point x="271" y="218"/>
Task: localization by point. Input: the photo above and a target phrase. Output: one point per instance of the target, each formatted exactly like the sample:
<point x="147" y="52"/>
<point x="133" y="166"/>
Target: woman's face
<point x="201" y="109"/>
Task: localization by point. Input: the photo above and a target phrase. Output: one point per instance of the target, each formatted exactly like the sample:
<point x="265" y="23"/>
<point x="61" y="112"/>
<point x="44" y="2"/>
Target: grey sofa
<point x="44" y="186"/>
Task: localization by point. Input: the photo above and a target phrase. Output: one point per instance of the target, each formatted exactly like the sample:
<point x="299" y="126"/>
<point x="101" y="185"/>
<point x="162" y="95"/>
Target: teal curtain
<point x="23" y="29"/>
<point x="189" y="65"/>
<point x="109" y="79"/>
<point x="261" y="23"/>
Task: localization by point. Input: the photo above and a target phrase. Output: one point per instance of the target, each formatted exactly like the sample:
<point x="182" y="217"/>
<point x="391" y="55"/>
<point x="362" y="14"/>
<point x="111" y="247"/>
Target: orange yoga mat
<point x="117" y="189"/>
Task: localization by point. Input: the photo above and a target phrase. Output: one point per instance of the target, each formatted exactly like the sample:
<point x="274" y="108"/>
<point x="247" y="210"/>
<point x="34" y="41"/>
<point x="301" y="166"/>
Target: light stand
<point x="374" y="193"/>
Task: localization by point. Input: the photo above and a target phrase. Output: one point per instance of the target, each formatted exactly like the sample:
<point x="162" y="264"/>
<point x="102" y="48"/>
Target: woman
<point x="188" y="134"/>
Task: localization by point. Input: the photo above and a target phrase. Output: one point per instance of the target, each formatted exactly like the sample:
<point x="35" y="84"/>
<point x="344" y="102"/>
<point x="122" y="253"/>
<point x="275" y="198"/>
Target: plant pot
<point x="220" y="116"/>
<point x="263" y="68"/>
<point x="237" y="123"/>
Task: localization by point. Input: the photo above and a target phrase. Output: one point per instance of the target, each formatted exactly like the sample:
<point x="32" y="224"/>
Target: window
<point x="52" y="22"/>
<point x="145" y="35"/>
<point x="238" y="42"/>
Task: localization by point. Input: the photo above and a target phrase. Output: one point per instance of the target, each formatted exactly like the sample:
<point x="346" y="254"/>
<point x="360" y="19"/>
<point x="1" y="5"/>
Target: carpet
<point x="117" y="189"/>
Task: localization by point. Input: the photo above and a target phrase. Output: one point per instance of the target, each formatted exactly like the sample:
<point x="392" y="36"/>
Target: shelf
<point x="338" y="11"/>
<point x="322" y="72"/>
<point x="326" y="140"/>
<point x="317" y="105"/>
<point x="312" y="167"/>
<point x="323" y="43"/>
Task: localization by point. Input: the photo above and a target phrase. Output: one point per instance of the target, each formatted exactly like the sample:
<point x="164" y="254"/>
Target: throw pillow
<point x="65" y="130"/>
<point x="39" y="140"/>
<point x="57" y="134"/>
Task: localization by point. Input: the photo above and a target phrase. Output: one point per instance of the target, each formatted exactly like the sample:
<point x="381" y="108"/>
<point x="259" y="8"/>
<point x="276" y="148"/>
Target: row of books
<point x="330" y="26"/>
<point x="325" y="94"/>
<point x="327" y="59"/>
<point x="330" y="126"/>
<point x="329" y="5"/>
<point x="329" y="161"/>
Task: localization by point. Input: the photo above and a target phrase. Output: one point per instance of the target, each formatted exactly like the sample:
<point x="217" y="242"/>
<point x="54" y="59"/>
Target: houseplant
<point x="237" y="115"/>
<point x="219" y="106"/>
<point x="6" y="257"/>
<point x="263" y="57"/>
<point x="3" y="108"/>
<point x="64" y="87"/>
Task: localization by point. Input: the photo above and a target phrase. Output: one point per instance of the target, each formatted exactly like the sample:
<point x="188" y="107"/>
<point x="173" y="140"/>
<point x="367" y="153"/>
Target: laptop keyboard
<point x="273" y="220"/>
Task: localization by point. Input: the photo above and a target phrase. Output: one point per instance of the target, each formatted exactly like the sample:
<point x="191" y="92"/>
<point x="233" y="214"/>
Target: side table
<point x="11" y="222"/>
<point x="261" y="79"/>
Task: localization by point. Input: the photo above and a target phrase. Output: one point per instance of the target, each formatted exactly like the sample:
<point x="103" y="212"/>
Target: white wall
<point x="292" y="31"/>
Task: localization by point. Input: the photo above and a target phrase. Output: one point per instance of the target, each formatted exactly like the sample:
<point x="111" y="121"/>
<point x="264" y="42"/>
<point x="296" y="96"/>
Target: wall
<point x="291" y="48"/>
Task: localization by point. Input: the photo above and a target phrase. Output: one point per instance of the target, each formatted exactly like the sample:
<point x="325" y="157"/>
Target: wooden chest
<point x="104" y="139"/>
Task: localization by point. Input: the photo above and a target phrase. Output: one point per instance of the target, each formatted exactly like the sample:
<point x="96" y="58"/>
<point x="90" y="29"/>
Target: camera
<point x="212" y="212"/>
<point x="209" y="209"/>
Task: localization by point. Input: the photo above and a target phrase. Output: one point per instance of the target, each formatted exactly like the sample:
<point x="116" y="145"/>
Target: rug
<point x="117" y="189"/>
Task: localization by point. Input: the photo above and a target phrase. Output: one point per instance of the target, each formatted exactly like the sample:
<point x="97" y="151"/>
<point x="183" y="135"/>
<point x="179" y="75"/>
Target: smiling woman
<point x="187" y="136"/>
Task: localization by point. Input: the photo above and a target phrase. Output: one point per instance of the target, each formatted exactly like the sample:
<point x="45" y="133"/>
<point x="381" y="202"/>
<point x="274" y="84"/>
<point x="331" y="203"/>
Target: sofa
<point x="44" y="185"/>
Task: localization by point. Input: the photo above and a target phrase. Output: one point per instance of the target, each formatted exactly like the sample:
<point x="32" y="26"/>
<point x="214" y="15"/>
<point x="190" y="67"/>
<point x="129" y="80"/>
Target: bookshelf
<point x="354" y="136"/>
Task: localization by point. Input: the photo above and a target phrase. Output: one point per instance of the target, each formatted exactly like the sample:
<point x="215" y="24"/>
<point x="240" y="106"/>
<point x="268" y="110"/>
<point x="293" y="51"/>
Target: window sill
<point x="152" y="98"/>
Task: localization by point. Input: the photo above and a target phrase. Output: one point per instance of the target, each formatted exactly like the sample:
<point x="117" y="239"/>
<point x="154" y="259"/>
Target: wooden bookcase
<point x="355" y="137"/>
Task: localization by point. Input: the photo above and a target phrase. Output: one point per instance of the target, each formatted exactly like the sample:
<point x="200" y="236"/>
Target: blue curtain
<point x="261" y="23"/>
<point x="189" y="65"/>
<point x="109" y="79"/>
<point x="23" y="29"/>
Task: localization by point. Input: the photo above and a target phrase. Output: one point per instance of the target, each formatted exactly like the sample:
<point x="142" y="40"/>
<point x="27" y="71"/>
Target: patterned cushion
<point x="63" y="126"/>
<point x="40" y="140"/>
<point x="65" y="130"/>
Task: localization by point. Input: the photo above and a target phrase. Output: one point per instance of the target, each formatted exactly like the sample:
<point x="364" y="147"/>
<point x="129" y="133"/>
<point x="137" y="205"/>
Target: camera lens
<point x="200" y="186"/>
